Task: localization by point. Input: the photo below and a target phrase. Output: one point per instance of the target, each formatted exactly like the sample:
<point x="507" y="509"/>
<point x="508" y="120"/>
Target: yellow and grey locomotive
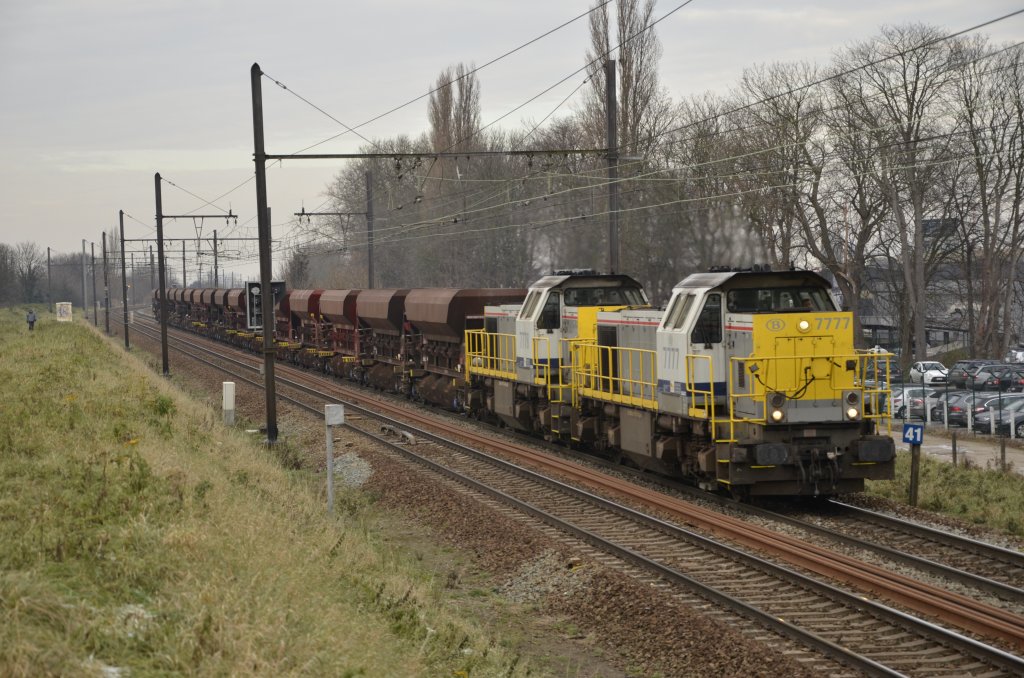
<point x="747" y="381"/>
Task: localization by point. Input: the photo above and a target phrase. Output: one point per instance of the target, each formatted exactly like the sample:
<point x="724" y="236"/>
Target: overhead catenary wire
<point x="755" y="103"/>
<point x="792" y="90"/>
<point x="704" y="198"/>
<point x="716" y="161"/>
<point x="472" y="71"/>
<point x="843" y="73"/>
<point x="467" y="74"/>
<point x="574" y="73"/>
<point x="585" y="67"/>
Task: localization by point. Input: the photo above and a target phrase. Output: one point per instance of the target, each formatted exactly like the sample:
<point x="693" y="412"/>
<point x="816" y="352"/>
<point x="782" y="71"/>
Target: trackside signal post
<point x="260" y="157"/>
<point x="255" y="304"/>
<point x="160" y="216"/>
<point x="163" y="274"/>
<point x="263" y="220"/>
<point x="124" y="279"/>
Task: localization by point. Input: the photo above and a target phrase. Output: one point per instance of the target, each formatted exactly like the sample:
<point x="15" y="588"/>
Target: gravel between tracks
<point x="576" y="617"/>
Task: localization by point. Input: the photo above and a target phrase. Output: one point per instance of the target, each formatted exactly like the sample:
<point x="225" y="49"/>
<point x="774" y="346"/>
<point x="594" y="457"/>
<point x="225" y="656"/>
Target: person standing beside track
<point x="30" y="318"/>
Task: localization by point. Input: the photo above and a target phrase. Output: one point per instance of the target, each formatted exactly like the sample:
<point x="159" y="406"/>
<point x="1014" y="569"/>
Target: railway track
<point x="843" y="626"/>
<point x="971" y="562"/>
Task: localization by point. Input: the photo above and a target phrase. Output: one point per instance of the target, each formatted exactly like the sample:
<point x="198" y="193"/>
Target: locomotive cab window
<point x="551" y="314"/>
<point x="779" y="299"/>
<point x="529" y="306"/>
<point x="604" y="296"/>
<point x="678" y="311"/>
<point x="708" y="329"/>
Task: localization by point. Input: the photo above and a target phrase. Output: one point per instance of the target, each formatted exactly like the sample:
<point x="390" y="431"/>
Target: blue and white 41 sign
<point x="913" y="434"/>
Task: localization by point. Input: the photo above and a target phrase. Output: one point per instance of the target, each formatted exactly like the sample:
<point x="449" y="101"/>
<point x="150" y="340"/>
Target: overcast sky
<point x="96" y="96"/>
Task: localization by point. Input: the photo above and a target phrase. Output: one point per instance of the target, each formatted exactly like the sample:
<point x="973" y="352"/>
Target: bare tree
<point x="562" y="200"/>
<point x="8" y="275"/>
<point x="985" y="185"/>
<point x="905" y="72"/>
<point x="339" y="258"/>
<point x="708" y="227"/>
<point x="29" y="270"/>
<point x="296" y="269"/>
<point x="645" y="114"/>
<point x="780" y="159"/>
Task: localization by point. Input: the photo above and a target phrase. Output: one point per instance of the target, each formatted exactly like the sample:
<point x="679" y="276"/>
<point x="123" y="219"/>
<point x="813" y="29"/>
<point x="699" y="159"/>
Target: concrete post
<point x="229" y="403"/>
<point x="334" y="415"/>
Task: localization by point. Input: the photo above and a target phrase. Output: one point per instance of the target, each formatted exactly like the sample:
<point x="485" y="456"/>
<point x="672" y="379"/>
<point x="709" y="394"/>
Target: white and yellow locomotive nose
<point x="802" y="375"/>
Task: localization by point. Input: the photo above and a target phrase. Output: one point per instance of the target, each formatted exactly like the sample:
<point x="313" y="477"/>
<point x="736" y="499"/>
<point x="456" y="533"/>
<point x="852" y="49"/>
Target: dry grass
<point x="137" y="533"/>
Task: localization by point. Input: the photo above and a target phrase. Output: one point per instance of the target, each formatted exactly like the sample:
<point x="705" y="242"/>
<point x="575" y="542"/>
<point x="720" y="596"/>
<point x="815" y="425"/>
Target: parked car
<point x="928" y="373"/>
<point x="1014" y="355"/>
<point x="981" y="404"/>
<point x="908" y="402"/>
<point x="1010" y="415"/>
<point x="894" y="375"/>
<point x="963" y="369"/>
<point x="993" y="378"/>
<point x="1012" y="380"/>
<point x="955" y="405"/>
<point x="935" y="400"/>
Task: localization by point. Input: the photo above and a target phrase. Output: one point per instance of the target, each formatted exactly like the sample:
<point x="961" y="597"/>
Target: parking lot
<point x="972" y="448"/>
<point x="979" y="403"/>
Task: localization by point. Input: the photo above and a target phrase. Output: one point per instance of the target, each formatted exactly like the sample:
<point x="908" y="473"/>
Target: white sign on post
<point x="334" y="415"/>
<point x="64" y="311"/>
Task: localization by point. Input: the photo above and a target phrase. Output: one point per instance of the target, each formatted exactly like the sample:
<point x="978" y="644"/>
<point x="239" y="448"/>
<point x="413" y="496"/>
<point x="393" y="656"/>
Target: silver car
<point x="908" y="401"/>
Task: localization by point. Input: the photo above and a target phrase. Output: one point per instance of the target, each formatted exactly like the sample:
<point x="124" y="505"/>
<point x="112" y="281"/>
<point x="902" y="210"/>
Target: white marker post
<point x="334" y="415"/>
<point x="229" y="403"/>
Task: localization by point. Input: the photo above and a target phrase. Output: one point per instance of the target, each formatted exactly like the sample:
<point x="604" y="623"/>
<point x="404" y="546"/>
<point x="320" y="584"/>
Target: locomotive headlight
<point x="852" y="400"/>
<point x="777" y="415"/>
<point x="803" y="326"/>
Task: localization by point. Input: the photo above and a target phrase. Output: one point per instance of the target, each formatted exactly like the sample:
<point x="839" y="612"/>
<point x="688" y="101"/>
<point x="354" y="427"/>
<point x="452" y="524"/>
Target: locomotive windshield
<point x="779" y="299"/>
<point x="604" y="296"/>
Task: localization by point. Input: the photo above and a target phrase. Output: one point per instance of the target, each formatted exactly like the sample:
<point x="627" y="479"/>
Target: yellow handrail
<point x="627" y="376"/>
<point x="490" y="354"/>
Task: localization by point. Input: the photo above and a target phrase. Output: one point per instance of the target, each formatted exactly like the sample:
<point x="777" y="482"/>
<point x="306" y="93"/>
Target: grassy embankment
<point x="137" y="533"/>
<point x="981" y="496"/>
